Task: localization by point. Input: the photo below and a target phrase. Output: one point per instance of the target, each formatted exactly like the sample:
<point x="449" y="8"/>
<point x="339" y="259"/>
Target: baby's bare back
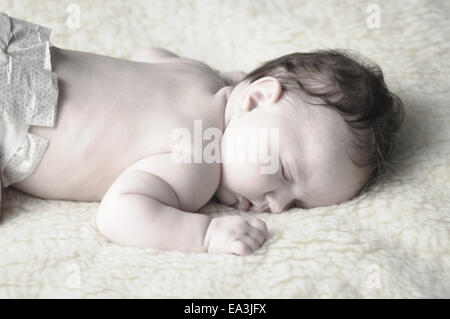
<point x="112" y="113"/>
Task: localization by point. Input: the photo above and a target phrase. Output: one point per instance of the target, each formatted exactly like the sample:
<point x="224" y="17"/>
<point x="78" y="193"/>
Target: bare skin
<point x="112" y="143"/>
<point x="113" y="112"/>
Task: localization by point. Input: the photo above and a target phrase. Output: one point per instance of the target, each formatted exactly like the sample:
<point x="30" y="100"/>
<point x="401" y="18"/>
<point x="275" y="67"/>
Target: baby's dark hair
<point x="354" y="87"/>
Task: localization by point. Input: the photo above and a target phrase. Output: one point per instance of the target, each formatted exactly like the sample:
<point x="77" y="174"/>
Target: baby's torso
<point x="113" y="112"/>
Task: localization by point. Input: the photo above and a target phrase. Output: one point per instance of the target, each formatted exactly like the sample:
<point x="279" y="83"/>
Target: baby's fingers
<point x="258" y="224"/>
<point x="244" y="246"/>
<point x="256" y="234"/>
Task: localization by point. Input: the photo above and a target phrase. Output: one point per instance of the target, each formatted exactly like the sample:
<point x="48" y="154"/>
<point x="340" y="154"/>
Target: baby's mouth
<point x="244" y="204"/>
<point x="260" y="209"/>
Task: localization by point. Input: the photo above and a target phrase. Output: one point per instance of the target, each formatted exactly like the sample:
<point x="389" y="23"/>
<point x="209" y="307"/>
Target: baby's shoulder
<point x="195" y="74"/>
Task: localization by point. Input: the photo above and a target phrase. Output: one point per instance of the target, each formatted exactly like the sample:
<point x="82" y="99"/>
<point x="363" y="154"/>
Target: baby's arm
<point x="141" y="209"/>
<point x="158" y="55"/>
<point x="153" y="55"/>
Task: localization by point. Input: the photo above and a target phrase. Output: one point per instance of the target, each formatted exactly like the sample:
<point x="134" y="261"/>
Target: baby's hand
<point x="240" y="235"/>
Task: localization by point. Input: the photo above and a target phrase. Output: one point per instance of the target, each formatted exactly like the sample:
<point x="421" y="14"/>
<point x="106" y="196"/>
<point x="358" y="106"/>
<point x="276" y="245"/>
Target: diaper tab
<point x="28" y="95"/>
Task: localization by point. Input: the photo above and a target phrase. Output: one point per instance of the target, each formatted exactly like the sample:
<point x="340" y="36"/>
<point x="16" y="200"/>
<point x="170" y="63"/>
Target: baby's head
<point x="329" y="119"/>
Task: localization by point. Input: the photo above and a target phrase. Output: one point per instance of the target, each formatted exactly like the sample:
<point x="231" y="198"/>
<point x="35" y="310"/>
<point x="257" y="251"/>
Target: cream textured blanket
<point x="391" y="242"/>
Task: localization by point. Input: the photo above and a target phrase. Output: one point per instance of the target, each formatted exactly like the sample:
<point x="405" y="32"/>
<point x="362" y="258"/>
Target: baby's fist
<point x="240" y="235"/>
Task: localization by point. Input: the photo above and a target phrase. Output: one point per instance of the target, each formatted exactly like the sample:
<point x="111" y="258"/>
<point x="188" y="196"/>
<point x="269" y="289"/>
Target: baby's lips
<point x="242" y="204"/>
<point x="259" y="209"/>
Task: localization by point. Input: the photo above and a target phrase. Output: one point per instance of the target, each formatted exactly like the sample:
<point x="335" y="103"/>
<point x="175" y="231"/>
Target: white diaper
<point x="28" y="96"/>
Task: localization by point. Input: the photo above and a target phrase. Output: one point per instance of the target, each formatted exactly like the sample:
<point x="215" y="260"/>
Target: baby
<point x="86" y="127"/>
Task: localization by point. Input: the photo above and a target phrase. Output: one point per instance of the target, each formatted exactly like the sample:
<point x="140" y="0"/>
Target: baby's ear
<point x="263" y="92"/>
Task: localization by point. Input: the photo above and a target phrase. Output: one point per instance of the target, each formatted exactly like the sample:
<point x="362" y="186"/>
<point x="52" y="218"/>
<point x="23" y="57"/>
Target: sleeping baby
<point x="154" y="138"/>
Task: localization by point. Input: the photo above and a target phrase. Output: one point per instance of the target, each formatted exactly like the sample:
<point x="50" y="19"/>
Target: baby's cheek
<point x="257" y="183"/>
<point x="270" y="180"/>
<point x="237" y="177"/>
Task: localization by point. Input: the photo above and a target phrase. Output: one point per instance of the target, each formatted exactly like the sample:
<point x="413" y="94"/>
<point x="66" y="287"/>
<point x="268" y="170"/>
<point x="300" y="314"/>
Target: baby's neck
<point x="222" y="96"/>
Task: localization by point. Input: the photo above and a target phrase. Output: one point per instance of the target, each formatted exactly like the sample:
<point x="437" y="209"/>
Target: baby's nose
<point x="277" y="204"/>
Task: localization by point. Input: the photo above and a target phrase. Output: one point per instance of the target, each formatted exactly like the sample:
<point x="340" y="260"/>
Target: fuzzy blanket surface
<point x="391" y="242"/>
